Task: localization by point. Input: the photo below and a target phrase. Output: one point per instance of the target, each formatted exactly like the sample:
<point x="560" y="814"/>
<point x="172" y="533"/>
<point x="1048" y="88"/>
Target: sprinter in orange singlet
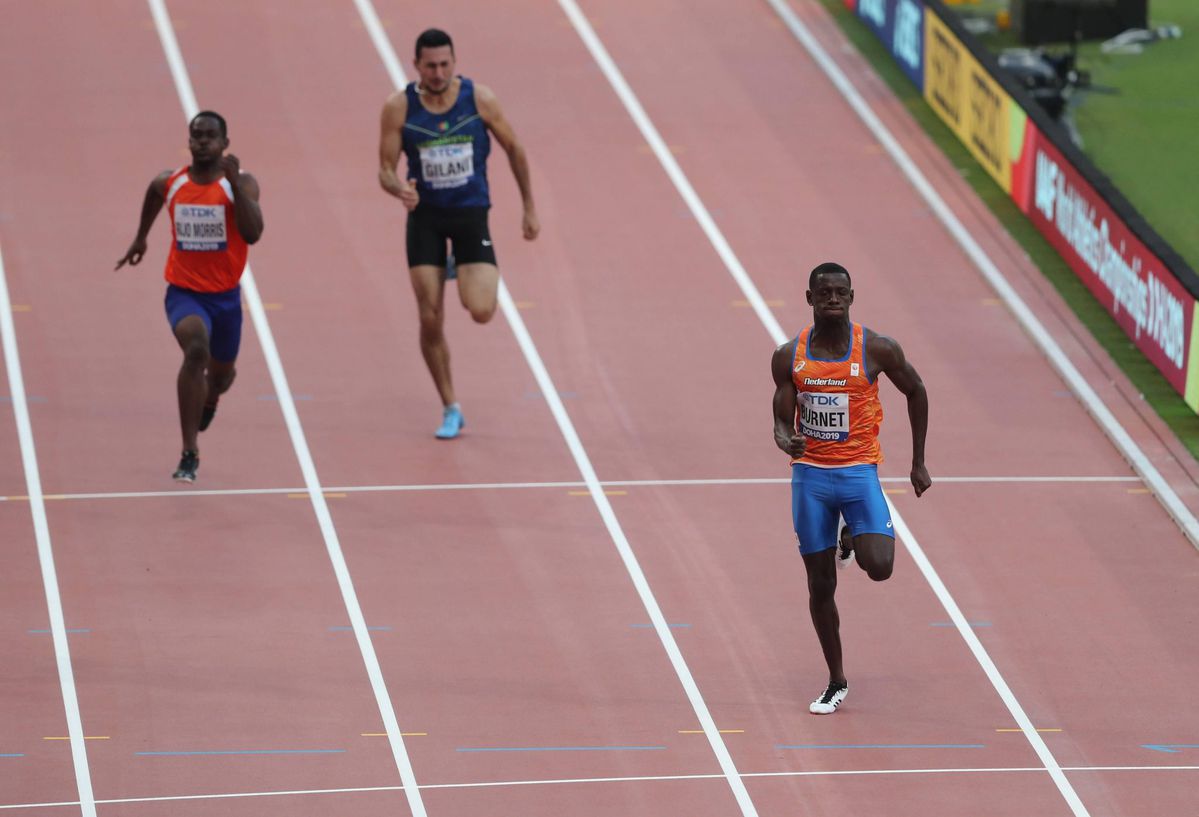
<point x="213" y="206"/>
<point x="826" y="418"/>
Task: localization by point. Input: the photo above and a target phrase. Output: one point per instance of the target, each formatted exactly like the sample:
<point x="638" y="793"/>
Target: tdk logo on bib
<point x="824" y="415"/>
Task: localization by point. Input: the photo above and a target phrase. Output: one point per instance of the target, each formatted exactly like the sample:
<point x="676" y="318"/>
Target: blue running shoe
<point x="452" y="423"/>
<point x="451" y="269"/>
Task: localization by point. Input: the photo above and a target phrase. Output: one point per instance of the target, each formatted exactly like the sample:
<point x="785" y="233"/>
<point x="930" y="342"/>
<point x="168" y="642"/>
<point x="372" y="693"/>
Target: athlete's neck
<point x="831" y="335"/>
<point x="205" y="172"/>
<point x="442" y="101"/>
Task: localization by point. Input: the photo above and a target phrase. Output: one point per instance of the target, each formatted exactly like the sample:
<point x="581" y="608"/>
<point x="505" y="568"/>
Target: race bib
<point x="824" y="415"/>
<point x="447" y="165"/>
<point x="200" y="227"/>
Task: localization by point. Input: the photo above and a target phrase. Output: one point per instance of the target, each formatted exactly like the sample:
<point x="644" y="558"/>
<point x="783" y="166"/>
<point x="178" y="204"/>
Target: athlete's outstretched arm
<point x="246" y="210"/>
<point x="784" y="402"/>
<point x="888" y="356"/>
<point x="391" y="125"/>
<point x="493" y="116"/>
<point x="156" y="196"/>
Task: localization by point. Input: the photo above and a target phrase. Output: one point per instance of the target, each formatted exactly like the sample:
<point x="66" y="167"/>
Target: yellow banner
<point x="970" y="101"/>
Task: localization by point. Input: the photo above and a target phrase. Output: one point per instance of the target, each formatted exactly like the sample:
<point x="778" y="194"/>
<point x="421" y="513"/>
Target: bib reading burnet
<point x="837" y="405"/>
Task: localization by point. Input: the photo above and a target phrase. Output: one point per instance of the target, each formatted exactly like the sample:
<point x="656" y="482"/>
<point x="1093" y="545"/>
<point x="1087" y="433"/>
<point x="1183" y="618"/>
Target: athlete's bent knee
<point x="881" y="572"/>
<point x="482" y="314"/>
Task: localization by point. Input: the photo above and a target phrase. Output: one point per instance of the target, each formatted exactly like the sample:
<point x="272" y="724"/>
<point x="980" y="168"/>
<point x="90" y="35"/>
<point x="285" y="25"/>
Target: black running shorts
<point x="429" y="228"/>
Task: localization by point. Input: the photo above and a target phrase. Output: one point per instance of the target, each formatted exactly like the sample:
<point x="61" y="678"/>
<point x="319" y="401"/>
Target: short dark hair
<point x="433" y="38"/>
<point x="828" y="268"/>
<point x="214" y="115"/>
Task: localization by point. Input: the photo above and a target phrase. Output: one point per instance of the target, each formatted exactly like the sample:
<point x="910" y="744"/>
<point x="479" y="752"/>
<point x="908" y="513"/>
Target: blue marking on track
<point x="11" y="754"/>
<point x="881" y="746"/>
<point x="243" y="752"/>
<point x="646" y="626"/>
<point x="559" y="748"/>
<point x="69" y="630"/>
<point x="1169" y="748"/>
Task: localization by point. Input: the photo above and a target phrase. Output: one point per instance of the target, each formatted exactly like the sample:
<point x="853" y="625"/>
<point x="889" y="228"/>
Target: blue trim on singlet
<point x="808" y="348"/>
<point x="461" y="123"/>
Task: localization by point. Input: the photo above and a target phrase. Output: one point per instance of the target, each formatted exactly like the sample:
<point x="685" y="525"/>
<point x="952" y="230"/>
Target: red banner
<point x="1131" y="282"/>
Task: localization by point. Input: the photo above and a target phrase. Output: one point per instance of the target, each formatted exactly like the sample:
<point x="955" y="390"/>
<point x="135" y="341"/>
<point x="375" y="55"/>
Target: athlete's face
<point x="205" y="140"/>
<point x="435" y="66"/>
<point x="831" y="296"/>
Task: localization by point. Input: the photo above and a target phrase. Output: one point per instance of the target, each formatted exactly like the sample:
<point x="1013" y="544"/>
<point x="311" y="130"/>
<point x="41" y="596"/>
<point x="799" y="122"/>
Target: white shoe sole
<point x="818" y="708"/>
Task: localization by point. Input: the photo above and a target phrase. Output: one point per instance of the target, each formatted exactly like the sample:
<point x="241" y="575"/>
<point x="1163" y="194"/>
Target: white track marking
<point x="593" y="485"/>
<point x="316" y="494"/>
<point x="1025" y="316"/>
<point x="984" y="661"/>
<point x="631" y="779"/>
<point x="507" y="486"/>
<point x="778" y="336"/>
<point x="45" y="554"/>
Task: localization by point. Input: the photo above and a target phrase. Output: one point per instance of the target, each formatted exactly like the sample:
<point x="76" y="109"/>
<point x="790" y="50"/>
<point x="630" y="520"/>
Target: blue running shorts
<point x="220" y="311"/>
<point x="820" y="495"/>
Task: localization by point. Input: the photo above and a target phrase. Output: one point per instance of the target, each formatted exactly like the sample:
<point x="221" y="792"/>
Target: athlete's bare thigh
<point x="478" y="285"/>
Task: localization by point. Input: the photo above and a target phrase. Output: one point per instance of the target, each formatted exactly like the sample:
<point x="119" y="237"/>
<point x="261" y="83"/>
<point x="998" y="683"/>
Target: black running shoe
<point x="186" y="472"/>
<point x="830" y="699"/>
<point x="206" y="416"/>
<point x="844" y="548"/>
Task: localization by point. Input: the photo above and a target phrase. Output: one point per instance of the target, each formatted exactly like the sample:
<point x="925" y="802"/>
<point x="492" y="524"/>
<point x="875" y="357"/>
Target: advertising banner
<point x="900" y="26"/>
<point x="1132" y="283"/>
<point x="968" y="99"/>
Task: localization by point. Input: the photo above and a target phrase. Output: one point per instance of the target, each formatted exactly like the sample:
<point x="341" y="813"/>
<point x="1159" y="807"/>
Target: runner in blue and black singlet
<point x="444" y="123"/>
<point x="447" y="157"/>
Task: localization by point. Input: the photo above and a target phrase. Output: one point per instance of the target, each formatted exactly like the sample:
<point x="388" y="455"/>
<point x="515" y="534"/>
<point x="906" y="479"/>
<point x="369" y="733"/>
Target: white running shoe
<point x="844" y="548"/>
<point x="830" y="699"/>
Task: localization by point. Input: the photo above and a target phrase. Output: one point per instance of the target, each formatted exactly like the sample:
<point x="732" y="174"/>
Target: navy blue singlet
<point x="447" y="152"/>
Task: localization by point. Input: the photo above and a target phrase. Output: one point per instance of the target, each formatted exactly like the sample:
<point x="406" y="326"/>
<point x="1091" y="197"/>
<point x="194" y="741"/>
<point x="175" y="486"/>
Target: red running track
<point x="503" y="617"/>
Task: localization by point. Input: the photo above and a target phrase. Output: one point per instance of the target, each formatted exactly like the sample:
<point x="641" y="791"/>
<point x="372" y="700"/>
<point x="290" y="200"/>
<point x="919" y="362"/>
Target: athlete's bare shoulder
<point x="877" y="343"/>
<point x="159" y="182"/>
<point x="396" y="105"/>
<point x="884" y="354"/>
<point x="780" y="362"/>
<point x="486" y="101"/>
<point x="249" y="184"/>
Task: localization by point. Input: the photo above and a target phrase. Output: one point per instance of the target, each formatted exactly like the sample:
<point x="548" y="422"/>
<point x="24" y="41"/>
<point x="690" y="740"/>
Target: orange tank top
<point x="207" y="254"/>
<point x="837" y="405"/>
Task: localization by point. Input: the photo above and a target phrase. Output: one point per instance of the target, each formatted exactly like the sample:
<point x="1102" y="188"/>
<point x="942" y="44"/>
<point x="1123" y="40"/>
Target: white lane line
<point x="778" y="336"/>
<point x="505" y="486"/>
<point x="650" y="133"/>
<point x="583" y="462"/>
<point x="45" y="554"/>
<point x="316" y="494"/>
<point x="984" y="660"/>
<point x="1027" y="318"/>
<point x="631" y="779"/>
